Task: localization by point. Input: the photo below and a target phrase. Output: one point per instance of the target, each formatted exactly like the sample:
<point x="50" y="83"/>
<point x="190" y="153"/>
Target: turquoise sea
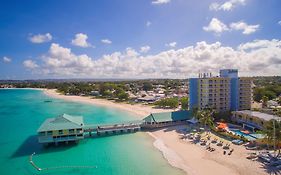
<point x="23" y="111"/>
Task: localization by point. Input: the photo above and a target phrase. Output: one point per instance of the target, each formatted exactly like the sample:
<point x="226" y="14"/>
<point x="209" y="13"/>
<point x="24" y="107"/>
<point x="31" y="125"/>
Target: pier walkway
<point x="131" y="126"/>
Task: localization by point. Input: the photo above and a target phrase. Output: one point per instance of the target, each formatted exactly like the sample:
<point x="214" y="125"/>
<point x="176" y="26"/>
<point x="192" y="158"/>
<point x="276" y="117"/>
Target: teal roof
<point x="168" y="116"/>
<point x="61" y="122"/>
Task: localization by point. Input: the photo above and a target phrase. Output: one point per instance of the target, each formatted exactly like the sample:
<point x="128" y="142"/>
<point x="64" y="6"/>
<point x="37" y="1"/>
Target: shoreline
<point x="190" y="158"/>
<point x="139" y="111"/>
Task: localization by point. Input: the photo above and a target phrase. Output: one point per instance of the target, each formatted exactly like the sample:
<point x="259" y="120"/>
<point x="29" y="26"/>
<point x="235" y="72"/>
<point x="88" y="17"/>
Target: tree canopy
<point x="168" y="103"/>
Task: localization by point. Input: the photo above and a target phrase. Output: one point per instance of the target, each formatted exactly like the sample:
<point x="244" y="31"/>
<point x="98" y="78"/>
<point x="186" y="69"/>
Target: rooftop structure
<point x="63" y="128"/>
<point x="253" y="119"/>
<point x="260" y="115"/>
<point x="162" y="119"/>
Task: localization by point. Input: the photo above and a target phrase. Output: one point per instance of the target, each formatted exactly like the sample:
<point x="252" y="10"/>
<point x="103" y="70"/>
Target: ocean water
<point x="23" y="111"/>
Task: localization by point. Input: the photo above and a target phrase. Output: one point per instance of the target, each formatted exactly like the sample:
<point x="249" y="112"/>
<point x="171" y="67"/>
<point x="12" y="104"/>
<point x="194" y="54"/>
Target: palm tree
<point x="273" y="133"/>
<point x="205" y="117"/>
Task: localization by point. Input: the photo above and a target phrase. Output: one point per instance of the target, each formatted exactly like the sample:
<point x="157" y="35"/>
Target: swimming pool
<point x="247" y="136"/>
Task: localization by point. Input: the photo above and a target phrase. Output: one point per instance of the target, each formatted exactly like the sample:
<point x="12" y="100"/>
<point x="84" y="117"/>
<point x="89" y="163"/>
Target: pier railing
<point x="123" y="126"/>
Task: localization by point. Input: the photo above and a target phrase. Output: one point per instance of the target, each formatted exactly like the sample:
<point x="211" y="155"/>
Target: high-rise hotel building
<point x="226" y="92"/>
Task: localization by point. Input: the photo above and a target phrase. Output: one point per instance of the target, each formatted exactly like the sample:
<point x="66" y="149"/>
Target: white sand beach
<point x="138" y="110"/>
<point x="196" y="160"/>
<point x="191" y="158"/>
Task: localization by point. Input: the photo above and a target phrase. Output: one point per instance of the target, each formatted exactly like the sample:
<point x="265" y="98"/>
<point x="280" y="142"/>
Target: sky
<point x="138" y="38"/>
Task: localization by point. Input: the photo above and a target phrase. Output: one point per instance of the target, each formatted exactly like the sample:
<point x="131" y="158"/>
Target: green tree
<point x="264" y="101"/>
<point x="168" y="102"/>
<point x="205" y="117"/>
<point x="123" y="96"/>
<point x="184" y="103"/>
<point x="147" y="86"/>
<point x="273" y="133"/>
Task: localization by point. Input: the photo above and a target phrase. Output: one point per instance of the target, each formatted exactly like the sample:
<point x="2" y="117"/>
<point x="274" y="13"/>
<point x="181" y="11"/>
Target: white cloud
<point x="259" y="44"/>
<point x="106" y="41"/>
<point x="30" y="64"/>
<point x="247" y="29"/>
<point x="40" y="38"/>
<point x="148" y="24"/>
<point x="279" y="22"/>
<point x="259" y="57"/>
<point x="216" y="26"/>
<point x="6" y="59"/>
<point x="144" y="49"/>
<point x="171" y="44"/>
<point x="226" y="6"/>
<point x="158" y="2"/>
<point x="81" y="40"/>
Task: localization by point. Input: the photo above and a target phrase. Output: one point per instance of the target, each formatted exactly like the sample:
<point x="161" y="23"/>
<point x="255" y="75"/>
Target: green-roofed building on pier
<point x="63" y="128"/>
<point x="164" y="119"/>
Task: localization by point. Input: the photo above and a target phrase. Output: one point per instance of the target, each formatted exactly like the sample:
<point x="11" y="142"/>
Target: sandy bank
<point x="137" y="110"/>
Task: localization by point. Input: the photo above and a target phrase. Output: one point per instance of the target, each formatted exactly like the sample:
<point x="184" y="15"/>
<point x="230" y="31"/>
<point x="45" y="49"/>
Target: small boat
<point x="47" y="101"/>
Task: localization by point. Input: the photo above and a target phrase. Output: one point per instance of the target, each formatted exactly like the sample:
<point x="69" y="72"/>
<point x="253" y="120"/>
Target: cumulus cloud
<point x="258" y="44"/>
<point x="216" y="26"/>
<point x="158" y="2"/>
<point x="226" y="6"/>
<point x="81" y="40"/>
<point x="258" y="57"/>
<point x="144" y="49"/>
<point x="6" y="59"/>
<point x="106" y="41"/>
<point x="171" y="44"/>
<point x="279" y="22"/>
<point x="247" y="29"/>
<point x="30" y="64"/>
<point x="148" y="24"/>
<point x="40" y="38"/>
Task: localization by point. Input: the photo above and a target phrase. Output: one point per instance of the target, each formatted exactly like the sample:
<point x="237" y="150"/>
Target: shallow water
<point x="23" y="111"/>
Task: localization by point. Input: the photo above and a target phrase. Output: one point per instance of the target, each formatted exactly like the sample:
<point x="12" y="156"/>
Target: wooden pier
<point x="113" y="128"/>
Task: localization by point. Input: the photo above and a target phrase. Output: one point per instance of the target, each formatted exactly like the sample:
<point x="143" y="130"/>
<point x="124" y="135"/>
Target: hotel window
<point x="41" y="133"/>
<point x="71" y="131"/>
<point x="49" y="133"/>
<point x="60" y="132"/>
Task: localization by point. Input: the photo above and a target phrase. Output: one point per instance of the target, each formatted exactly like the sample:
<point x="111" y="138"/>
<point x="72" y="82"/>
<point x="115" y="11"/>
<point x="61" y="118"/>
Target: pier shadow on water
<point x="31" y="145"/>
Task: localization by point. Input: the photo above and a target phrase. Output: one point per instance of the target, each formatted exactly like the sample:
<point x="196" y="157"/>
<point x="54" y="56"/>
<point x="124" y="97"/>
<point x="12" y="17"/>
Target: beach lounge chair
<point x="220" y="143"/>
<point x="225" y="147"/>
<point x="252" y="156"/>
<point x="251" y="148"/>
<point x="237" y="142"/>
<point x="230" y="152"/>
<point x="214" y="141"/>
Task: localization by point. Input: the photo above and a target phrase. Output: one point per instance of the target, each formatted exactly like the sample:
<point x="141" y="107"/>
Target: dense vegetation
<point x="184" y="103"/>
<point x="168" y="103"/>
<point x="117" y="90"/>
<point x="267" y="86"/>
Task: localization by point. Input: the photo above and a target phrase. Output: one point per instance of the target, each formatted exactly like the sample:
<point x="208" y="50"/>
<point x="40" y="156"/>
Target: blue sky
<point x="179" y="38"/>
